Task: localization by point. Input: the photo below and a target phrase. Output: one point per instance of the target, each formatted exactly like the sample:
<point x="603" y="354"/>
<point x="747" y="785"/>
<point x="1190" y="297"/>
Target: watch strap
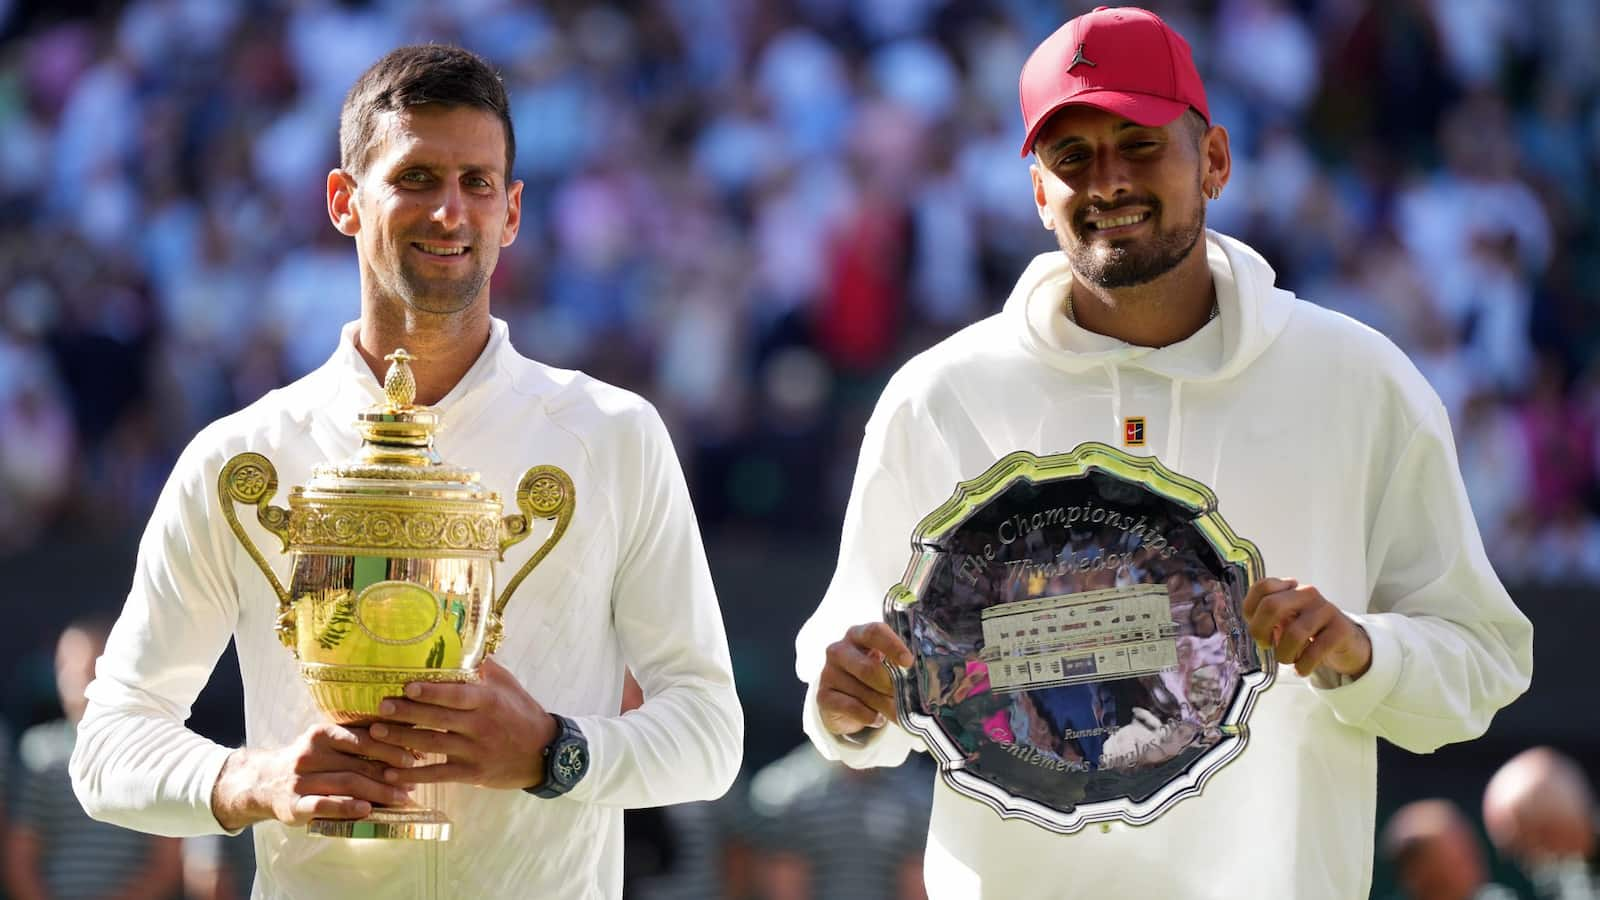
<point x="567" y="735"/>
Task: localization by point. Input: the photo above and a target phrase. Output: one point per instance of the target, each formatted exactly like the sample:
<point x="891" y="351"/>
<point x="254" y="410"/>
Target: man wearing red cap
<point x="1323" y="443"/>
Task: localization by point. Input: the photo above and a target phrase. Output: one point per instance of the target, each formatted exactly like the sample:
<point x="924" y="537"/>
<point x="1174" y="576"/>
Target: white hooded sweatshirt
<point x="1327" y="449"/>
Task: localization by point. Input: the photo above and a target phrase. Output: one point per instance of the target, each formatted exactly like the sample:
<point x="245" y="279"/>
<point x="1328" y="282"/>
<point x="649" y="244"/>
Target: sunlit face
<point x="76" y="652"/>
<point x="1449" y="866"/>
<point x="432" y="209"/>
<point x="1126" y="201"/>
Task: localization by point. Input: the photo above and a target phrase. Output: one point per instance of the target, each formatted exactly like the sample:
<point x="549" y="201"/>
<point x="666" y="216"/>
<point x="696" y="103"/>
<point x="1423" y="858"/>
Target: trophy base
<point x="387" y="824"/>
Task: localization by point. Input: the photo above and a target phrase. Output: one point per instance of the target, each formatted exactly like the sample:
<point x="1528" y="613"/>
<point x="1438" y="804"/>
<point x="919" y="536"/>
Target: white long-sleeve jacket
<point x="1327" y="449"/>
<point x="626" y="587"/>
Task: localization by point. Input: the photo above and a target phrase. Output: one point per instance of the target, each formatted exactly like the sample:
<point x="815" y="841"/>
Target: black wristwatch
<point x="566" y="760"/>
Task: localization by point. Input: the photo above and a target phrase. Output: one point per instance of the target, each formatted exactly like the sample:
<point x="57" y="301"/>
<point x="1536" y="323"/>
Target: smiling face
<point x="1126" y="201"/>
<point x="432" y="208"/>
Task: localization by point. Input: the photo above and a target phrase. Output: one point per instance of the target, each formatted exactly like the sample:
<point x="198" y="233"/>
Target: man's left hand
<point x="492" y="733"/>
<point x="1305" y="628"/>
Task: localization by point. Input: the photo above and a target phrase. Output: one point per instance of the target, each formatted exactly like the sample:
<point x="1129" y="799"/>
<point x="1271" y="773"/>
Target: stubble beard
<point x="1130" y="262"/>
<point x="438" y="296"/>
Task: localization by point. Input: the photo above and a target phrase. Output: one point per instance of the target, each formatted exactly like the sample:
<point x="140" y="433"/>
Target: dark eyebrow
<point x="1071" y="139"/>
<point x="406" y="164"/>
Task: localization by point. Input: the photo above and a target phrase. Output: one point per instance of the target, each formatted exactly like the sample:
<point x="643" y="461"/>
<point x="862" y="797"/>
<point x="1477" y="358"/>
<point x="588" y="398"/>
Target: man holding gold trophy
<point x="389" y="754"/>
<point x="1098" y="482"/>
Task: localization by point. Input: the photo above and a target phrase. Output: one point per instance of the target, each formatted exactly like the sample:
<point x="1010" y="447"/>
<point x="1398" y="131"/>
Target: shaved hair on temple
<point x="1194" y="125"/>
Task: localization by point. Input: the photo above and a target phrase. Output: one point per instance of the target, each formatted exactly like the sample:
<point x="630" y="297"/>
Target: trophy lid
<point x="397" y="446"/>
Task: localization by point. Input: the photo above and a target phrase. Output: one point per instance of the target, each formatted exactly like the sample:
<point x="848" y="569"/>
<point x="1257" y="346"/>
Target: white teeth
<point x="1104" y="224"/>
<point x="437" y="250"/>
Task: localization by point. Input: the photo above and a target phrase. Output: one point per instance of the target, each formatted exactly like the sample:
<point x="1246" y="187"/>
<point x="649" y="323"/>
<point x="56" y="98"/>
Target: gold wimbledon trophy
<point x="391" y="572"/>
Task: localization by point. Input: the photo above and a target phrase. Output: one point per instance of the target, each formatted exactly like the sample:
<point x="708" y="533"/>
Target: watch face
<point x="570" y="761"/>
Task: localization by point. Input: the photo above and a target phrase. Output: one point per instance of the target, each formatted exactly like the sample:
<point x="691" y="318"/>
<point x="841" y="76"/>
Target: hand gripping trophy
<point x="391" y="571"/>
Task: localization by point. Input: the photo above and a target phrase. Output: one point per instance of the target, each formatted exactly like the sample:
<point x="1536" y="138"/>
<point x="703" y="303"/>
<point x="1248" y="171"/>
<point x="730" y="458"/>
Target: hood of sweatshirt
<point x="1251" y="313"/>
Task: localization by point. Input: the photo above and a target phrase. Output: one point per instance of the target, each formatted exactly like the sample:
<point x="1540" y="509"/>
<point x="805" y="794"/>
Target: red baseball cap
<point x="1123" y="59"/>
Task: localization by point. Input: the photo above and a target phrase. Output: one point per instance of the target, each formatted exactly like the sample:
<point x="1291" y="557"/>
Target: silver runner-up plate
<point x="1078" y="627"/>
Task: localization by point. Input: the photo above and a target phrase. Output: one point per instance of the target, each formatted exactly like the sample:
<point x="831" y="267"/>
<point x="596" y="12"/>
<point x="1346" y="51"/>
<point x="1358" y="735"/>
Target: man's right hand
<point x="854" y="691"/>
<point x="329" y="772"/>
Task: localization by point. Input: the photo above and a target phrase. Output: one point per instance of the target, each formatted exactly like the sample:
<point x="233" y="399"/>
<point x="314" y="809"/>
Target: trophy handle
<point x="250" y="478"/>
<point x="545" y="492"/>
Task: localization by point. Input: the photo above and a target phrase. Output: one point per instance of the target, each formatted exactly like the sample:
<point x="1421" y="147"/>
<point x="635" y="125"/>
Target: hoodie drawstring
<point x="1175" y="426"/>
<point x="1116" y="398"/>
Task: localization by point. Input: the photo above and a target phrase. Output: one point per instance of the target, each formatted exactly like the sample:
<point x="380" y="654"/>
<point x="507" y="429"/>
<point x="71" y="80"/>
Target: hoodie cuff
<point x="885" y="746"/>
<point x="1354" y="699"/>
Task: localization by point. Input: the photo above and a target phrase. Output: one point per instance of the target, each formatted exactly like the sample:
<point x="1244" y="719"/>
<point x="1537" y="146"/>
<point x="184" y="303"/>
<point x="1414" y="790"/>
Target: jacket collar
<point x="353" y="387"/>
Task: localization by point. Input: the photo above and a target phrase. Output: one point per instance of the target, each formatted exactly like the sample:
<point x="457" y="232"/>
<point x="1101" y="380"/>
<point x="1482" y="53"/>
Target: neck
<point x="444" y="346"/>
<point x="1154" y="314"/>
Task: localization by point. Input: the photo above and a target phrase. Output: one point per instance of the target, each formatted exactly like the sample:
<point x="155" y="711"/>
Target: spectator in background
<point x="1540" y="811"/>
<point x="1496" y="469"/>
<point x="1560" y="442"/>
<point x="218" y="867"/>
<point x="37" y="450"/>
<point x="1269" y="51"/>
<point x="1436" y="855"/>
<point x="824" y="830"/>
<point x="54" y="850"/>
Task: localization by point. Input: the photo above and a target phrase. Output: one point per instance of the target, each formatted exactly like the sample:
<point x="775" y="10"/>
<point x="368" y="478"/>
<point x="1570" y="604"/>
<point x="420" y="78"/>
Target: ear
<point x="513" y="214"/>
<point x="1216" y="159"/>
<point x="342" y="204"/>
<point x="1042" y="203"/>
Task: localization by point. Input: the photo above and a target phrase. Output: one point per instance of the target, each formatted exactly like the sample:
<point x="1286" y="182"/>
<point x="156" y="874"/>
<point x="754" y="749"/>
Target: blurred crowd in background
<point x="1539" y="810"/>
<point x="750" y="211"/>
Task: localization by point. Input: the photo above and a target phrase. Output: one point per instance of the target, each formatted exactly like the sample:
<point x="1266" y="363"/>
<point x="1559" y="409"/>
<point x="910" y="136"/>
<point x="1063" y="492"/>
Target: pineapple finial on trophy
<point x="399" y="385"/>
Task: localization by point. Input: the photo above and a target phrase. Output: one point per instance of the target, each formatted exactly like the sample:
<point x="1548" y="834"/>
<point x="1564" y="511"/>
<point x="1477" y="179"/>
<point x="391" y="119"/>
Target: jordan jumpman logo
<point x="1080" y="58"/>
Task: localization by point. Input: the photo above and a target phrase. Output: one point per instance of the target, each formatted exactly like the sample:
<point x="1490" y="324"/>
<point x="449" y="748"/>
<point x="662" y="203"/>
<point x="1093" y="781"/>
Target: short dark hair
<point x="415" y="76"/>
